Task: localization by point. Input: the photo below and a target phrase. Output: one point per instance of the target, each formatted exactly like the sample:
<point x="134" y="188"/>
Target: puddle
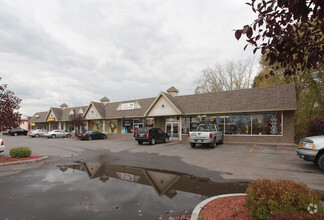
<point x="156" y="193"/>
<point x="97" y="189"/>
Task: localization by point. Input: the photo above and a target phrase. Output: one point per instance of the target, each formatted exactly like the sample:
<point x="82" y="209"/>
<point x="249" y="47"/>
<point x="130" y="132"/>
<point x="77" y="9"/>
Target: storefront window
<point x="149" y="122"/>
<point x="127" y="126"/>
<point x="111" y="126"/>
<point x="241" y="124"/>
<point x="266" y="124"/>
<point x="185" y="125"/>
<point x="238" y="124"/>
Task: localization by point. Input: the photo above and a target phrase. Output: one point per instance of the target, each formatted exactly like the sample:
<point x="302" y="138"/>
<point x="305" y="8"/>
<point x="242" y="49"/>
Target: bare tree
<point x="231" y="76"/>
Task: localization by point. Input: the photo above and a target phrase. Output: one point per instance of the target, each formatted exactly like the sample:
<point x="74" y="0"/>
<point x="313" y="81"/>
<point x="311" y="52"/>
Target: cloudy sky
<point x="77" y="51"/>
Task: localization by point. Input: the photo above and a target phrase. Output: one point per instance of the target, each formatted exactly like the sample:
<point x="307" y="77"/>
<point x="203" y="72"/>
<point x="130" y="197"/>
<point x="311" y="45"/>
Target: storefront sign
<point x="128" y="106"/>
<point x="92" y="115"/>
<point x="51" y="119"/>
<point x="127" y="176"/>
<point x="32" y="124"/>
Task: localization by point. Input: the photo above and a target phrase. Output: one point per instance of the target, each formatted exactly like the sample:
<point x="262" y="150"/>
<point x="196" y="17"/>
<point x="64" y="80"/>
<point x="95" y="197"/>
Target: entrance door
<point x="137" y="126"/>
<point x="172" y="129"/>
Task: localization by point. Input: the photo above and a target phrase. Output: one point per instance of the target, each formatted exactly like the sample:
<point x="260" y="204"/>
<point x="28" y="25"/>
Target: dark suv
<point x="151" y="135"/>
<point x="17" y="131"/>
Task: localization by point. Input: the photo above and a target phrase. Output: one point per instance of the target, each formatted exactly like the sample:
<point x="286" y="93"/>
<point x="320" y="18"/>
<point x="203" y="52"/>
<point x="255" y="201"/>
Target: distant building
<point x="24" y="122"/>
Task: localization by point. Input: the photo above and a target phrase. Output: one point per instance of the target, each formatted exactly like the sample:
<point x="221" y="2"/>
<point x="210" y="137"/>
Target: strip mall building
<point x="258" y="115"/>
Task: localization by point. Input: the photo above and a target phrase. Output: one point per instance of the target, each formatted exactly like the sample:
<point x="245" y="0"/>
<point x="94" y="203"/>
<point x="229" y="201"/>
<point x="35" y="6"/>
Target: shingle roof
<point x="112" y="112"/>
<point x="57" y="112"/>
<point x="66" y="112"/>
<point x="275" y="98"/>
<point x="281" y="97"/>
<point x="41" y="118"/>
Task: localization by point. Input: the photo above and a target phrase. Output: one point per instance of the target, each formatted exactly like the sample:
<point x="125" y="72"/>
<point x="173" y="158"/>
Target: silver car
<point x="37" y="133"/>
<point x="57" y="133"/>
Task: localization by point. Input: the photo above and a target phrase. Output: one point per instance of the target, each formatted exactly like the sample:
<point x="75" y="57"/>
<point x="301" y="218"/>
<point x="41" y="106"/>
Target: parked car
<point x="17" y="131"/>
<point x="92" y="135"/>
<point x="37" y="133"/>
<point x="2" y="147"/>
<point x="57" y="133"/>
<point x="312" y="149"/>
<point x="206" y="134"/>
<point x="151" y="135"/>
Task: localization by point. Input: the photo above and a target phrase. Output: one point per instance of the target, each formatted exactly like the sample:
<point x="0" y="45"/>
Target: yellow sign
<point x="51" y="119"/>
<point x="260" y="119"/>
<point x="32" y="124"/>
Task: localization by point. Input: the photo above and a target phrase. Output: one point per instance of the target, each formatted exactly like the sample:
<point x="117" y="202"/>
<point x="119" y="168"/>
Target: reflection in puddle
<point x="163" y="182"/>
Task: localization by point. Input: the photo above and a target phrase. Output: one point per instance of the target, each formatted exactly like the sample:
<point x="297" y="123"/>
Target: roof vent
<point x="104" y="100"/>
<point x="173" y="91"/>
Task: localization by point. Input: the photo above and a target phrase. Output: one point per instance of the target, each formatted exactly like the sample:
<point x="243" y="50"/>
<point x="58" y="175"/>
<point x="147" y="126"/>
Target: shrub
<point x="315" y="127"/>
<point x="297" y="215"/>
<point x="270" y="197"/>
<point x="20" y="152"/>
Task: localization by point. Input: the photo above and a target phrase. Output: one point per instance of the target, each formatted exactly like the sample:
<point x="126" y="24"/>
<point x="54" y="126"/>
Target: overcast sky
<point x="77" y="51"/>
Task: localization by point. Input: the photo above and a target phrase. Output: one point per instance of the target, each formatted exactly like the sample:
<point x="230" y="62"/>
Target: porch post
<point x="180" y="128"/>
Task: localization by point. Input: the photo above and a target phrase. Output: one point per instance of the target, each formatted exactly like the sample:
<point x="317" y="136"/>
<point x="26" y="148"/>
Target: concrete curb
<point x="23" y="161"/>
<point x="195" y="212"/>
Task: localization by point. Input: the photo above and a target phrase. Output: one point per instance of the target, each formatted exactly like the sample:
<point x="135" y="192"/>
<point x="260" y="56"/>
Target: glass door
<point x="172" y="129"/>
<point x="137" y="126"/>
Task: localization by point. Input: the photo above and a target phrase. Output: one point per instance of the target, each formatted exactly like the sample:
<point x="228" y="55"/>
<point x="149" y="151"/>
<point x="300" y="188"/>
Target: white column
<point x="180" y="129"/>
<point x="104" y="126"/>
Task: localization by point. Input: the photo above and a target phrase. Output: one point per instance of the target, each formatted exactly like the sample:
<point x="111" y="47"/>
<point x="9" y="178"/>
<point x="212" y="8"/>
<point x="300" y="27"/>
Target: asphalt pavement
<point x="226" y="162"/>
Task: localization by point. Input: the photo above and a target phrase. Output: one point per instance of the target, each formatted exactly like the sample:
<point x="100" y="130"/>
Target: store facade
<point x="249" y="115"/>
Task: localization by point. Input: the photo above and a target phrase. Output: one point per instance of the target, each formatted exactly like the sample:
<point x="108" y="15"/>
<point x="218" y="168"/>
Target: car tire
<point x="68" y="135"/>
<point x="37" y="135"/>
<point x="53" y="136"/>
<point x="140" y="142"/>
<point x="89" y="138"/>
<point x="320" y="162"/>
<point x="166" y="140"/>
<point x="15" y="134"/>
<point x="213" y="145"/>
<point x="153" y="141"/>
<point x="193" y="145"/>
<point x="105" y="137"/>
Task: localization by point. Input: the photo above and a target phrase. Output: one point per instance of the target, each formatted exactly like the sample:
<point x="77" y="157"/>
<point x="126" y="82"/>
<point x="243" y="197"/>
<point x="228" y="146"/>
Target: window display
<point x="111" y="126"/>
<point x="127" y="126"/>
<point x="240" y="124"/>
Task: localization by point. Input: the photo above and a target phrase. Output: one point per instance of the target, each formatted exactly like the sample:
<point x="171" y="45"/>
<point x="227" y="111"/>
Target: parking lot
<point x="224" y="163"/>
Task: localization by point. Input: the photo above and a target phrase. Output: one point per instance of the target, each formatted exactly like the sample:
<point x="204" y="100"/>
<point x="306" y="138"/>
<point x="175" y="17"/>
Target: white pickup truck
<point x="206" y="134"/>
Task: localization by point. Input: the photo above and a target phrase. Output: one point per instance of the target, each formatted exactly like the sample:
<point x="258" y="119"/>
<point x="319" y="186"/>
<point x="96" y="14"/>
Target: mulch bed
<point x="232" y="207"/>
<point x="11" y="159"/>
